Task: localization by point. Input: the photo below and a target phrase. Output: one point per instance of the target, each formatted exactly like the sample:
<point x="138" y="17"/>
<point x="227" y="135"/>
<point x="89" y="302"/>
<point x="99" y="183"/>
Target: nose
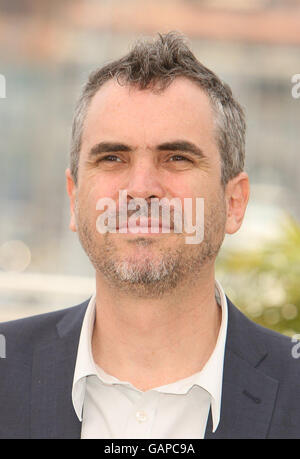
<point x="144" y="181"/>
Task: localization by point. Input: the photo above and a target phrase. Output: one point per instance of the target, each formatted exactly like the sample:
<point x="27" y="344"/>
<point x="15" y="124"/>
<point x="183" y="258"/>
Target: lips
<point x="152" y="225"/>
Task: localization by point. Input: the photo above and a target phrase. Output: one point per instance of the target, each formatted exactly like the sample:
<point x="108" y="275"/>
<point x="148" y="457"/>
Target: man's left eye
<point x="179" y="158"/>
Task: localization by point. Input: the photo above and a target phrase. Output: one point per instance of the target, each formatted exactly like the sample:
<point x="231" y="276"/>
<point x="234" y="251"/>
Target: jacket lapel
<point x="52" y="412"/>
<point x="248" y="394"/>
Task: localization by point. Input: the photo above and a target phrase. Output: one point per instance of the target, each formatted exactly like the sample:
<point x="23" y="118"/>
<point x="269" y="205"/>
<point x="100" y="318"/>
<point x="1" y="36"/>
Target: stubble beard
<point x="151" y="273"/>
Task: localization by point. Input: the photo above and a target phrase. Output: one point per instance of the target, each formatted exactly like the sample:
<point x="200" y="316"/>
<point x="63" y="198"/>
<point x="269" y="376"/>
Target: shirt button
<point x="141" y="416"/>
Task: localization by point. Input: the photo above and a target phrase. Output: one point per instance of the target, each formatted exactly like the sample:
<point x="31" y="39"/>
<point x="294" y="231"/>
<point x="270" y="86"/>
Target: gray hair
<point x="154" y="64"/>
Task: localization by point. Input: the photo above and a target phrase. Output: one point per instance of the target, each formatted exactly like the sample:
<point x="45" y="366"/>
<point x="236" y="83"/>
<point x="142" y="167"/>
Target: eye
<point x="110" y="158"/>
<point x="179" y="158"/>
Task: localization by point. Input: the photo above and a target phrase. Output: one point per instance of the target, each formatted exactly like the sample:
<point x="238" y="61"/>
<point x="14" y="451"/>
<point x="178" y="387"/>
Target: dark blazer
<point x="261" y="383"/>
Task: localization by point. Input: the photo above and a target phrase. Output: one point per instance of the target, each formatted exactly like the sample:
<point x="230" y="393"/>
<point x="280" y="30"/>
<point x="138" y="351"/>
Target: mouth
<point x="143" y="225"/>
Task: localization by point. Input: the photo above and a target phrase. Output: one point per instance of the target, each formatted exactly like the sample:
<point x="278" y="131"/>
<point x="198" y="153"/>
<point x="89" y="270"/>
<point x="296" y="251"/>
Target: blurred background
<point x="47" y="50"/>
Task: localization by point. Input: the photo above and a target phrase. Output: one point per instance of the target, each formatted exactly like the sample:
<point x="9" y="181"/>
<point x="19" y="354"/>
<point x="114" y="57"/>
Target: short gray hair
<point x="154" y="64"/>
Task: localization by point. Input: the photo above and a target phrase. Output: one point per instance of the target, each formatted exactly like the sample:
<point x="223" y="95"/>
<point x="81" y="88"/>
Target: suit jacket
<point x="261" y="381"/>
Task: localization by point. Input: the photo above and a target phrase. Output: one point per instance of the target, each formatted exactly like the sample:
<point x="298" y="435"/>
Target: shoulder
<point x="25" y="333"/>
<point x="266" y="348"/>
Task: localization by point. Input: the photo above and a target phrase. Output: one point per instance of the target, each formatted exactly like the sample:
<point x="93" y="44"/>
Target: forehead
<point x="127" y="113"/>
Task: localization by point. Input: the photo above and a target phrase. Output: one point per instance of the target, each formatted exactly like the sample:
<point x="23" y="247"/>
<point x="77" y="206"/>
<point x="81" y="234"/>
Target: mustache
<point x="169" y="215"/>
<point x="124" y="214"/>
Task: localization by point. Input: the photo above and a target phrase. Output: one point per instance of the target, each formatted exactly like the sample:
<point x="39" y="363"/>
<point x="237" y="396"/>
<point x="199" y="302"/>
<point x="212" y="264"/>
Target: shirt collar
<point x="209" y="378"/>
<point x="85" y="364"/>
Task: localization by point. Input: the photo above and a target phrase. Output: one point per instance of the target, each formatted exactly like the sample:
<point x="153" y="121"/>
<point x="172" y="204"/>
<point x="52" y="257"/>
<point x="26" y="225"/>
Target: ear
<point x="237" y="195"/>
<point x="71" y="190"/>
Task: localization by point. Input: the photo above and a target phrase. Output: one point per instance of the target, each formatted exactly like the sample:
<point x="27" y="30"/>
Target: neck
<point x="153" y="342"/>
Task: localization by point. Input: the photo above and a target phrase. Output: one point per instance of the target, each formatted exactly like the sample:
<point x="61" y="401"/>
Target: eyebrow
<point x="108" y="147"/>
<point x="182" y="145"/>
<point x="177" y="145"/>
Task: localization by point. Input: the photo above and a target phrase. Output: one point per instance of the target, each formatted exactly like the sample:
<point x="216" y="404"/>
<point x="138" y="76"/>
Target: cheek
<point x="87" y="201"/>
<point x="96" y="189"/>
<point x="192" y="196"/>
<point x="182" y="186"/>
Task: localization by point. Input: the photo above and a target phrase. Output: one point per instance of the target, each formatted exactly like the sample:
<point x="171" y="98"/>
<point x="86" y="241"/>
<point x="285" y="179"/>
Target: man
<point x="159" y="351"/>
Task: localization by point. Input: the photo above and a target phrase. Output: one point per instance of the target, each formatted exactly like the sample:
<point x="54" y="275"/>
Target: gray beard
<point x="151" y="277"/>
<point x="147" y="277"/>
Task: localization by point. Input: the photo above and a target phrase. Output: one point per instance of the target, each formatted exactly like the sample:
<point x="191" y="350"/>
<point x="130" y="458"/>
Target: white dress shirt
<point x="111" y="409"/>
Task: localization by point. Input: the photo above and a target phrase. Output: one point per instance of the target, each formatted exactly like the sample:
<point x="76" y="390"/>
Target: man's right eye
<point x="110" y="158"/>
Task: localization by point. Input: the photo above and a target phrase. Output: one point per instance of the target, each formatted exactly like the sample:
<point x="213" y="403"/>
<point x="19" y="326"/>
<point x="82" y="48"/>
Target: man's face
<point x="152" y="145"/>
